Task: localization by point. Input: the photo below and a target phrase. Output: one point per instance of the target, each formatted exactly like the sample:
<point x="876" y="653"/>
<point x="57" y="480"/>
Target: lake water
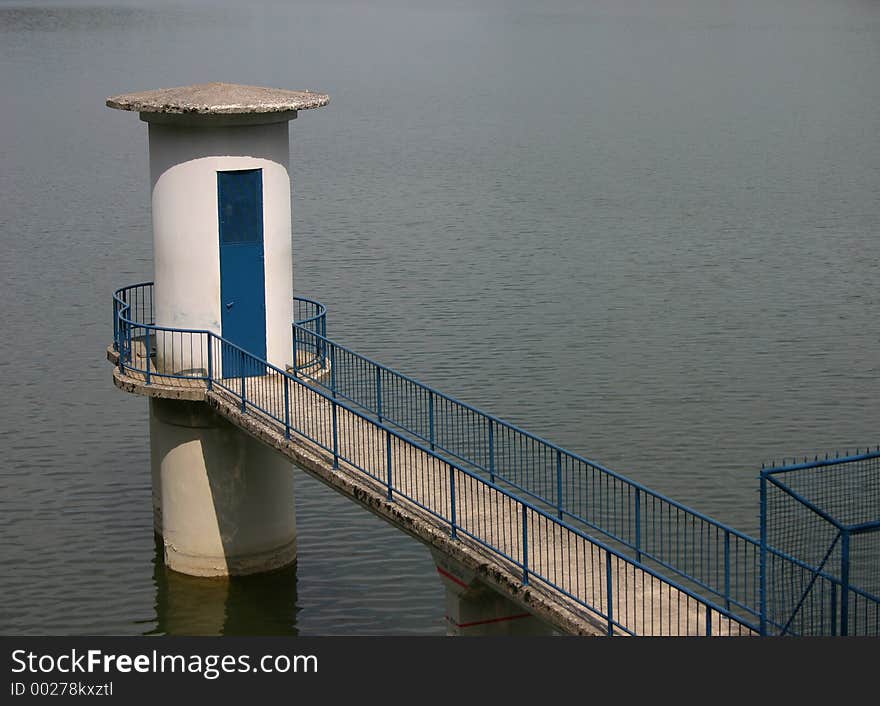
<point x="644" y="229"/>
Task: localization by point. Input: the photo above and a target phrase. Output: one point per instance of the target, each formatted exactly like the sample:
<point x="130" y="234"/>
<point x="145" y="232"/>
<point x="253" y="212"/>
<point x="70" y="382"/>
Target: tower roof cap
<point x="218" y="99"/>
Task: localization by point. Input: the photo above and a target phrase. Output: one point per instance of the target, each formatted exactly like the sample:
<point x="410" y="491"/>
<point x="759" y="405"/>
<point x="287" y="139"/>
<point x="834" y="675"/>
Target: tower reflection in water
<point x="263" y="604"/>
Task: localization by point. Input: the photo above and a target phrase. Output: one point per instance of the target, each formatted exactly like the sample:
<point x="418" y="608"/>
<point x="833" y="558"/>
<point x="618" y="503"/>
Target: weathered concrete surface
<point x="166" y="388"/>
<point x="218" y="99"/>
<point x="475" y="610"/>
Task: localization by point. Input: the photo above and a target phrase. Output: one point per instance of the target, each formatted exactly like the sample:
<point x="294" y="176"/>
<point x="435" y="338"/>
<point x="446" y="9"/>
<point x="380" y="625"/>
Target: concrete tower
<point x="219" y="153"/>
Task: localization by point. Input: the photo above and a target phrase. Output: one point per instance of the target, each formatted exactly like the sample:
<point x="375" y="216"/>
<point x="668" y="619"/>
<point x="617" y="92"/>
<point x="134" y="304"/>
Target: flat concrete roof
<point x="218" y="99"/>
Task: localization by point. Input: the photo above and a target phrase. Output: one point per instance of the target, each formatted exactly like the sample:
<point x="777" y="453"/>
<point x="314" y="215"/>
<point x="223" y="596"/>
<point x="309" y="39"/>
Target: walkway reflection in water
<point x="264" y="604"/>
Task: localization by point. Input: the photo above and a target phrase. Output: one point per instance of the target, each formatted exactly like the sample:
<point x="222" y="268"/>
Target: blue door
<point x="242" y="277"/>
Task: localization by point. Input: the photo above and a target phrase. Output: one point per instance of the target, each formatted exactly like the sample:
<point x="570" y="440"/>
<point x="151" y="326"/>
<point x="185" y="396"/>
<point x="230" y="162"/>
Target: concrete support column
<point x="223" y="501"/>
<point x="474" y="609"/>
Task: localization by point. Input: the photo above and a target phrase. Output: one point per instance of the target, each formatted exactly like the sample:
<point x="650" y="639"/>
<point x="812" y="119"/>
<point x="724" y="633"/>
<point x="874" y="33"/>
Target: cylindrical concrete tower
<point x="223" y="503"/>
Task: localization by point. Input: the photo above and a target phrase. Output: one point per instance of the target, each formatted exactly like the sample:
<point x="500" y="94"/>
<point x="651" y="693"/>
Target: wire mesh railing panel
<point x="800" y="601"/>
<point x="824" y="514"/>
<point x="863" y="615"/>
<point x="864" y="564"/>
<point x="847" y="489"/>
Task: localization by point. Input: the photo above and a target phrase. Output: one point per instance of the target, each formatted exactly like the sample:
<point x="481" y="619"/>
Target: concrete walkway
<point x="571" y="566"/>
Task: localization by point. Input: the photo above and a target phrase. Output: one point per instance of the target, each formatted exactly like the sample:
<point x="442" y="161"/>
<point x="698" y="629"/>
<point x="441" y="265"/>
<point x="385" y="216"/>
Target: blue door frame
<point x="242" y="274"/>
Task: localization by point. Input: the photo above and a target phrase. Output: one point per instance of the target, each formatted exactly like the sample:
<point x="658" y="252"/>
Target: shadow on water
<point x="264" y="604"/>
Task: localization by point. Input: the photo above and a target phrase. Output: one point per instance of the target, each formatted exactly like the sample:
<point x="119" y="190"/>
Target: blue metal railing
<point x="716" y="560"/>
<point x="712" y="559"/>
<point x="571" y="500"/>
<point x="539" y="542"/>
<point x="310" y="317"/>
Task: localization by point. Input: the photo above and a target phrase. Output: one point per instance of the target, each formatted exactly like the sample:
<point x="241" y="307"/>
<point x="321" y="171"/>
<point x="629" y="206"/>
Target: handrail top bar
<point x="513" y="427"/>
<point x="150" y="283"/>
<point x="169" y="329"/>
<point x="310" y="301"/>
<point x="535" y="437"/>
<point x="319" y="308"/>
<point x="819" y="463"/>
<point x="862" y="527"/>
<point x="119" y="291"/>
<point x="322" y="311"/>
<point x="806" y="503"/>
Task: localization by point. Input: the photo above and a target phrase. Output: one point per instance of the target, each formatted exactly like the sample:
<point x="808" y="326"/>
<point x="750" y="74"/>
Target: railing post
<point x="295" y="350"/>
<point x="638" y="524"/>
<point x="115" y="324"/>
<point x="286" y="407"/>
<point x="763" y="564"/>
<point x="243" y="378"/>
<point x="335" y="435"/>
<point x="833" y="609"/>
<point x="210" y="380"/>
<point x="128" y="350"/>
<point x="844" y="584"/>
<point x="491" y="450"/>
<point x="333" y="371"/>
<point x="147" y="343"/>
<point x="379" y="393"/>
<point x="322" y="342"/>
<point x="431" y="436"/>
<point x="121" y="337"/>
<point x="727" y="569"/>
<point x="708" y="621"/>
<point x="525" y="539"/>
<point x="559" y="482"/>
<point x="452" y="499"/>
<point x="610" y="589"/>
<point x="388" y="460"/>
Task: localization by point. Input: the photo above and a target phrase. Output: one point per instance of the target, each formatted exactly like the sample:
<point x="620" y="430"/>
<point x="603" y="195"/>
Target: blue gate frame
<point x="814" y="512"/>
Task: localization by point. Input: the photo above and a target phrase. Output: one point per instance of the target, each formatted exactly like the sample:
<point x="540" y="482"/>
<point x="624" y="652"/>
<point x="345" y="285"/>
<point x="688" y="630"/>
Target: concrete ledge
<point x="137" y="386"/>
<point x="168" y="392"/>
